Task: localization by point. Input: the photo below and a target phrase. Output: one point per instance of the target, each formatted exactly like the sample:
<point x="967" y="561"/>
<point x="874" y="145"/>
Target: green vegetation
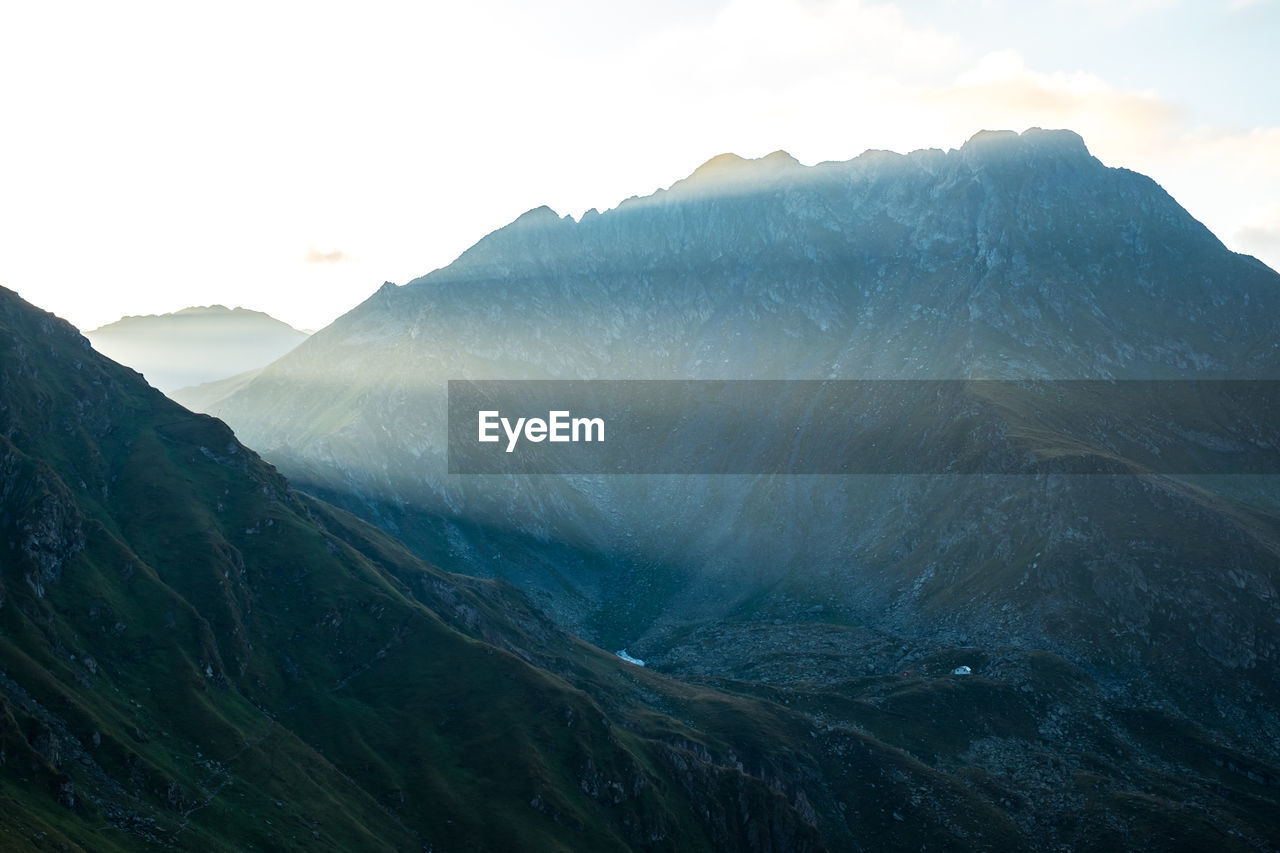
<point x="194" y="656"/>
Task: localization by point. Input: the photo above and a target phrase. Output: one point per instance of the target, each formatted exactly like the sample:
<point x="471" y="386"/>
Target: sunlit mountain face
<point x="195" y="345"/>
<point x="1015" y="257"/>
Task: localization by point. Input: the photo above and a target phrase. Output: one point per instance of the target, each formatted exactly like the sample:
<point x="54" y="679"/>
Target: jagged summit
<point x="727" y="172"/>
<point x="210" y="309"/>
<point x="718" y="164"/>
<point x="1016" y="254"/>
<point x="729" y="164"/>
<point x="1031" y="143"/>
<point x="196" y="312"/>
<point x="193" y="310"/>
<point x="731" y="171"/>
<point x="538" y="215"/>
<point x="730" y="174"/>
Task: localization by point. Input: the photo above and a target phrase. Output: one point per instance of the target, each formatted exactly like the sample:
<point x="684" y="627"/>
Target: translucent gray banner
<point x="863" y="427"/>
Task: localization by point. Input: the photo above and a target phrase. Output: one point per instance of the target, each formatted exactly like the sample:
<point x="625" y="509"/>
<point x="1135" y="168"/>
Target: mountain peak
<point x="194" y="312"/>
<point x="207" y="309"/>
<point x="730" y="165"/>
<point x="1065" y="143"/>
<point x="719" y="164"/>
<point x="538" y="215"/>
<point x="198" y="344"/>
<point x="729" y="171"/>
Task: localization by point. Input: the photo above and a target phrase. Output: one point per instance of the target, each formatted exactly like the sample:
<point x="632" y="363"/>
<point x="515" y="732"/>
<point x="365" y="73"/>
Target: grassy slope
<point x="191" y="657"/>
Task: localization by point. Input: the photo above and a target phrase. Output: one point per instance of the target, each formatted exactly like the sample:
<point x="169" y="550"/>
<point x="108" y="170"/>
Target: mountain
<point x="194" y="656"/>
<point x="1014" y="257"/>
<point x="195" y="345"/>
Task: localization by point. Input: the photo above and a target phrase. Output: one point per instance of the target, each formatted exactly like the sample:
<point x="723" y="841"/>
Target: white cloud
<point x="334" y="256"/>
<point x="1259" y="236"/>
<point x="1218" y="174"/>
<point x="1250" y="155"/>
<point x="1260" y="240"/>
<point x="1001" y="91"/>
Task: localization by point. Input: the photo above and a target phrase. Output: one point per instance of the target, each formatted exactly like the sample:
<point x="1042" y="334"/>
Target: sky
<point x="290" y="157"/>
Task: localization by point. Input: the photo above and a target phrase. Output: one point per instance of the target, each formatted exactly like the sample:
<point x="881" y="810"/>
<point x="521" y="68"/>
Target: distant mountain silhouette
<point x="195" y="345"/>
